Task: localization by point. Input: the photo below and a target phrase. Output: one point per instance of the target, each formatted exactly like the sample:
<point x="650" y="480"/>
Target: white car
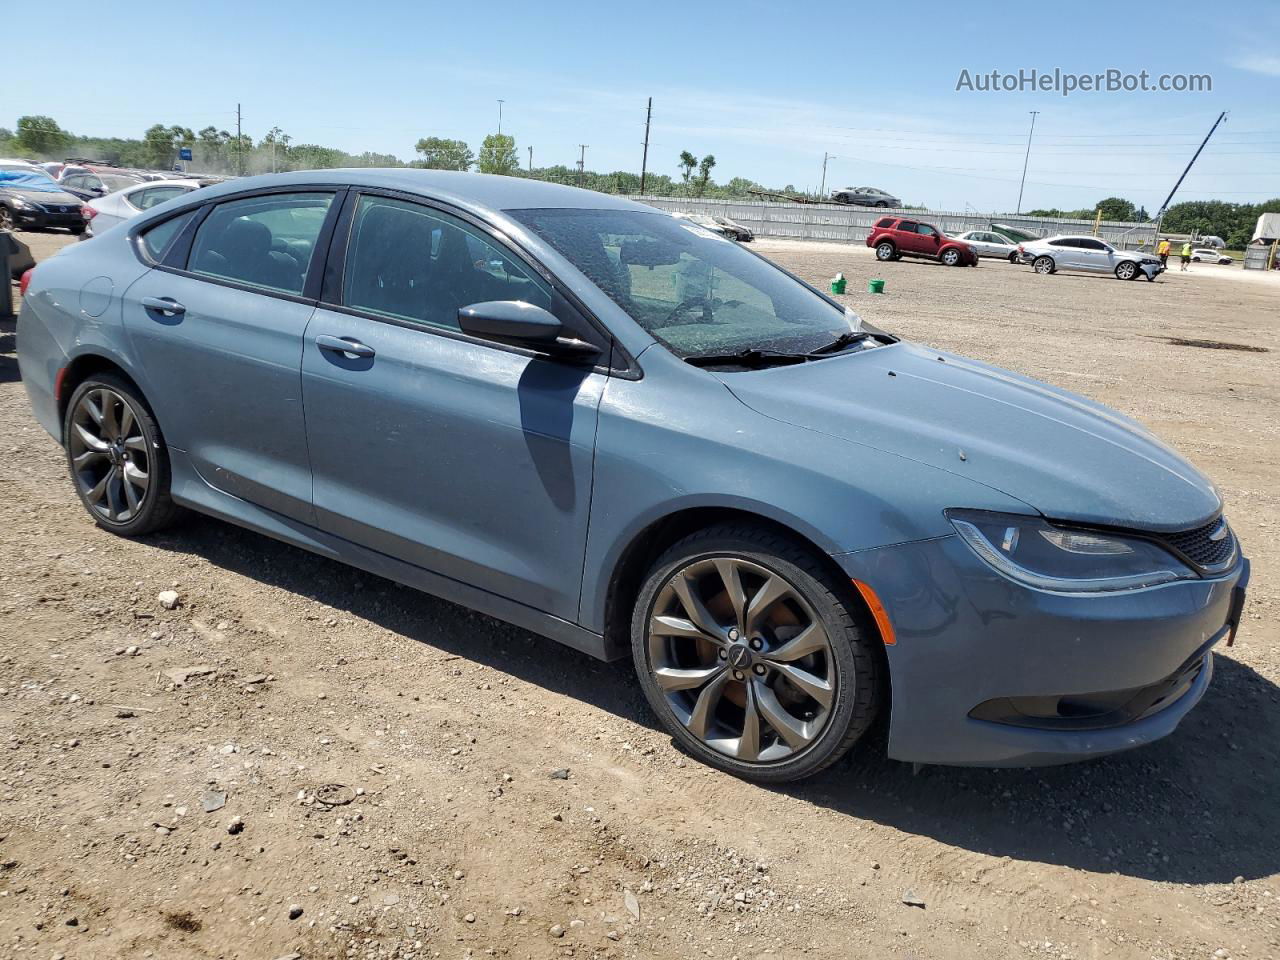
<point x="1210" y="256"/>
<point x="103" y="213"/>
<point x="988" y="243"/>
<point x="1085" y="254"/>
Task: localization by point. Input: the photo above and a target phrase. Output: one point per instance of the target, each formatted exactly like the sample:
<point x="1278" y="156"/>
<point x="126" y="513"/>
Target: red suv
<point x="895" y="237"/>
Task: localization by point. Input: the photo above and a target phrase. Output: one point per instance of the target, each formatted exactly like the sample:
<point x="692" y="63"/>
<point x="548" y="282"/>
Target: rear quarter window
<point x="157" y="239"/>
<point x="886" y="222"/>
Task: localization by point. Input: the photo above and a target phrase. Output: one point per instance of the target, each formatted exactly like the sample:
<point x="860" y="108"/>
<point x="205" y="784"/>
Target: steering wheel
<point x="706" y="303"/>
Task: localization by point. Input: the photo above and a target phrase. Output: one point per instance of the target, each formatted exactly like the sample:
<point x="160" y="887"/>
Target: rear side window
<point x="261" y="241"/>
<point x="1063" y="243"/>
<point x="146" y="199"/>
<point x="157" y="239"/>
<point x="411" y="262"/>
<point x="886" y="222"/>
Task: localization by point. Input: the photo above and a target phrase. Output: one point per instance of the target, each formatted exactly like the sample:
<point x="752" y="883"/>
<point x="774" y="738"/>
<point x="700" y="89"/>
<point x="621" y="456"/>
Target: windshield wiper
<point x="842" y="341"/>
<point x="747" y="358"/>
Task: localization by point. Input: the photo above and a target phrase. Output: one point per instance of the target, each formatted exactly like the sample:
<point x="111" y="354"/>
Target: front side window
<point x="411" y="262"/>
<point x="262" y="241"/>
<point x="696" y="292"/>
<point x="926" y="231"/>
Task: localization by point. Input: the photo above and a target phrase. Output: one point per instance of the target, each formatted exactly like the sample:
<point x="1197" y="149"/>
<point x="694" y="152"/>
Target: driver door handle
<point x="347" y="345"/>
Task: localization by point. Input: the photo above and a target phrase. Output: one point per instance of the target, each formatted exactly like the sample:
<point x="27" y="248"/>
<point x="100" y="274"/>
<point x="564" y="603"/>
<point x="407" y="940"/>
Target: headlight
<point x="24" y="203"/>
<point x="1064" y="560"/>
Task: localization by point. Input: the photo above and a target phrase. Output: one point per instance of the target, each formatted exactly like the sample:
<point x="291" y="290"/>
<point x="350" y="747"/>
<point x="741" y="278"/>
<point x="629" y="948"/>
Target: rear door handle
<point x="164" y="305"/>
<point x="347" y="345"/>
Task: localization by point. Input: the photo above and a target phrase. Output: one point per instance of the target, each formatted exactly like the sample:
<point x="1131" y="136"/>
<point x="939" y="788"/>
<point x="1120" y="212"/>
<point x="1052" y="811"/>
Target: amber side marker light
<point x="878" y="611"/>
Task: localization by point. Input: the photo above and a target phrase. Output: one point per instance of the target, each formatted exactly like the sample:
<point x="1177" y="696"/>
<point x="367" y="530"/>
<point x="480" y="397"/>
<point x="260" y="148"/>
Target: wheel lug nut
<point x="757" y="643"/>
<point x="739" y="675"/>
<point x="759" y="668"/>
<point x="733" y="634"/>
<point x="724" y="654"/>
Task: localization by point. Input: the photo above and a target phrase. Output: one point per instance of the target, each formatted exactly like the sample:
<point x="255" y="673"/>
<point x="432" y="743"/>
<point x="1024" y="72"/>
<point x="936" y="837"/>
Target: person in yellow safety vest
<point x="1163" y="250"/>
<point x="1186" y="254"/>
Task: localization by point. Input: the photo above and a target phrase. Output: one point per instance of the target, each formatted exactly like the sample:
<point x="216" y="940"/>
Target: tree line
<point x="218" y="151"/>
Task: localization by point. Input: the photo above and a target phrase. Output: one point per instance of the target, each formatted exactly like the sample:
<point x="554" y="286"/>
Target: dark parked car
<point x="31" y="201"/>
<point x="578" y="414"/>
<point x="865" y="197"/>
<point x="20" y="258"/>
<point x="89" y="185"/>
<point x="895" y="237"/>
<point x="735" y="229"/>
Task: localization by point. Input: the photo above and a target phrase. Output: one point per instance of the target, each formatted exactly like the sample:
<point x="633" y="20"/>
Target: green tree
<point x="439" y="153"/>
<point x="42" y="135"/>
<point x="1116" y="208"/>
<point x="498" y="155"/>
<point x="161" y="144"/>
<point x="704" y="172"/>
<point x="687" y="162"/>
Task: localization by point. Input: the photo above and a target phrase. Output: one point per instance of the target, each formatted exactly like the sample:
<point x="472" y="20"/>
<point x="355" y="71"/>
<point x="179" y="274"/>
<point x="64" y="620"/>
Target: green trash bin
<point x="838" y="283"/>
<point x="875" y="286"/>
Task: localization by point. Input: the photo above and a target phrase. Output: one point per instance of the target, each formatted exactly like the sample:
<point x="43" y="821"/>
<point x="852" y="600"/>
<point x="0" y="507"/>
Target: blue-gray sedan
<point x="617" y="429"/>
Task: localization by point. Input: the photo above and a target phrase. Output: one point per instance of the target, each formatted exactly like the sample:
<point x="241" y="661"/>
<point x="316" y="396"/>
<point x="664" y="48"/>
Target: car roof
<point x="468" y="190"/>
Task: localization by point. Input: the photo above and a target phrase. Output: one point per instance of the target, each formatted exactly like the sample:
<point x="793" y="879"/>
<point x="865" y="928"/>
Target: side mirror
<point x="523" y="325"/>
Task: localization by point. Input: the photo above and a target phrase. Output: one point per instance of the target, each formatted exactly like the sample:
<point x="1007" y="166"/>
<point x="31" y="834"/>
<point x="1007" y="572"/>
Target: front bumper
<point x="62" y="215"/>
<point x="969" y="640"/>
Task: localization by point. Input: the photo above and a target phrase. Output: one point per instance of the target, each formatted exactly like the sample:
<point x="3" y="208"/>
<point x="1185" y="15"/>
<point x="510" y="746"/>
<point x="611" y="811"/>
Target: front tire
<point x="885" y="252"/>
<point x="1126" y="270"/>
<point x="753" y="656"/>
<point x="951" y="258"/>
<point x="1043" y="265"/>
<point x="7" y="219"/>
<point x="117" y="457"/>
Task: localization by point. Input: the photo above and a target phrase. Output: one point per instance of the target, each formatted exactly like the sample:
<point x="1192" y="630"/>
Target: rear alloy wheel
<point x="1044" y="265"/>
<point x="1126" y="270"/>
<point x="749" y="656"/>
<point x="885" y="251"/>
<point x="1013" y="257"/>
<point x="6" y="218"/>
<point x="117" y="457"/>
<point x="951" y="257"/>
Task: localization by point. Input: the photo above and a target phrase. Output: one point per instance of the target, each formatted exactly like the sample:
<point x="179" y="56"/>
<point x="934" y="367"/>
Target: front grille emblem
<point x="1219" y="531"/>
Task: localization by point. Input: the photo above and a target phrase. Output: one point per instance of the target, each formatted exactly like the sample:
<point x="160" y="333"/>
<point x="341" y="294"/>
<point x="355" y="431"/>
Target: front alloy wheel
<point x="1126" y="270"/>
<point x="750" y="658"/>
<point x="1043" y="265"/>
<point x="951" y="257"/>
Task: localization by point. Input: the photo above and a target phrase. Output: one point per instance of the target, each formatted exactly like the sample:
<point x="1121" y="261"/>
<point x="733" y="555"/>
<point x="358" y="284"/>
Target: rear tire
<point x="1013" y="258"/>
<point x="1044" y="265"/>
<point x="886" y="251"/>
<point x="7" y="219"/>
<point x="117" y="457"/>
<point x="717" y="669"/>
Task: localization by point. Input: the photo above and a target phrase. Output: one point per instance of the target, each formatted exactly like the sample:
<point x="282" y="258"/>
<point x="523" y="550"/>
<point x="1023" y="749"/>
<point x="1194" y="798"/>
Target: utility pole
<point x="239" y="144"/>
<point x="531" y="158"/>
<point x="1026" y="159"/>
<point x="582" y="160"/>
<point x="275" y="135"/>
<point x="1164" y="206"/>
<point x="500" y="103"/>
<point x="644" y="158"/>
<point x="822" y="190"/>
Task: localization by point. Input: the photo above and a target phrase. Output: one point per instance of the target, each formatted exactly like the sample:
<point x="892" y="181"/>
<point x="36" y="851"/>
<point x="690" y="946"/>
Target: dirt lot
<point x="451" y="836"/>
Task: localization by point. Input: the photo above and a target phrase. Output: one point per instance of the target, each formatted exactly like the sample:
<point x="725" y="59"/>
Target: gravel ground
<point x="394" y="776"/>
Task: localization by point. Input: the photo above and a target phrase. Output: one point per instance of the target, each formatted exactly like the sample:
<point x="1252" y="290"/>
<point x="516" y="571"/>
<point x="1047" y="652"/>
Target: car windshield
<point x="696" y="292"/>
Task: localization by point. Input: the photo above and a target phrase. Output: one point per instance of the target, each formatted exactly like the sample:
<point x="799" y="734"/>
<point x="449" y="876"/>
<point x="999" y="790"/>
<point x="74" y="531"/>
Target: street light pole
<point x="822" y="190"/>
<point x="1026" y="159"/>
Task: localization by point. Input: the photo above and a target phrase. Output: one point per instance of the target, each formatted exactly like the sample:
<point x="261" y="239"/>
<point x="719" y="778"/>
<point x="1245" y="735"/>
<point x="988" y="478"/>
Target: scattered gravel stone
<point x="632" y="904"/>
<point x="470" y="918"/>
<point x="168" y="599"/>
<point x="213" y="801"/>
<point x="556" y="930"/>
<point x="561" y="774"/>
<point x="911" y="899"/>
<point x="295" y="912"/>
<point x="235" y="826"/>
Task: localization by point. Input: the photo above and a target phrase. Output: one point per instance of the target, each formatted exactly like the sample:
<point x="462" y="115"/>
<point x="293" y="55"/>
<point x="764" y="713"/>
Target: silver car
<point x="105" y="212"/>
<point x="1087" y="254"/>
<point x="987" y="243"/>
<point x="865" y="197"/>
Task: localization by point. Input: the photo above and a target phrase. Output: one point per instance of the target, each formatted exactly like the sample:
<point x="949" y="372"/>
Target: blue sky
<point x="765" y="88"/>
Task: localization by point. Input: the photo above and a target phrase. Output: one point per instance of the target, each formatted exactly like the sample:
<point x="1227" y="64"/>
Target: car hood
<point x="1061" y="454"/>
<point x="41" y="196"/>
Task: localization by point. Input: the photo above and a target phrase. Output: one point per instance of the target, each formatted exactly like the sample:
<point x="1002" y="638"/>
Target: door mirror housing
<point x="521" y="324"/>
